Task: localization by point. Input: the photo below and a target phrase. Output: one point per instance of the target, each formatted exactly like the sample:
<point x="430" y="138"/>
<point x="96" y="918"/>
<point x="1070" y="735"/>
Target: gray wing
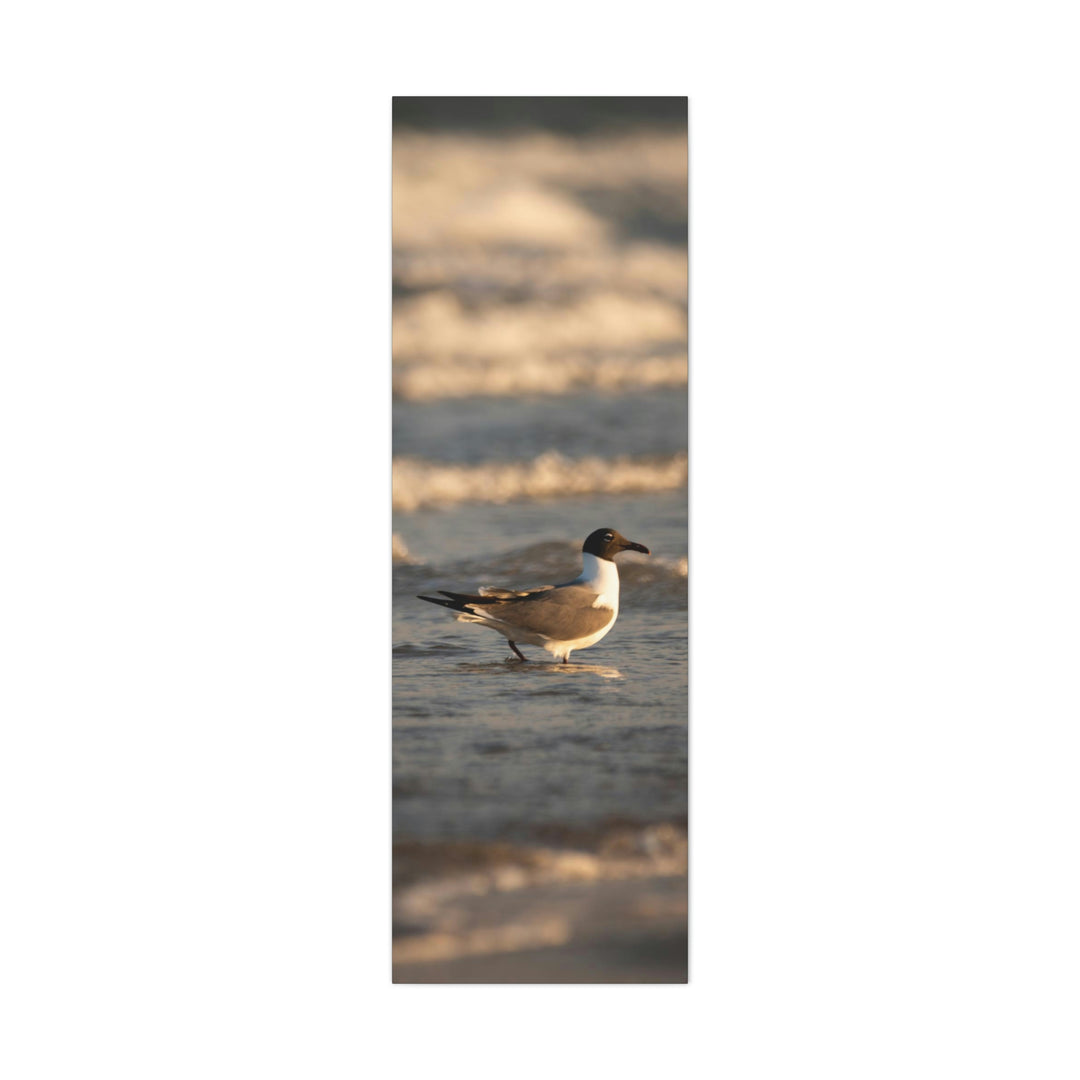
<point x="564" y="613"/>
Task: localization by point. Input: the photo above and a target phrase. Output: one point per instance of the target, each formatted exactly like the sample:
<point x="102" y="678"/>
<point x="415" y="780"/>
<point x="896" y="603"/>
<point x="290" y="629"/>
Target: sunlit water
<point x="540" y="373"/>
<point x="486" y="746"/>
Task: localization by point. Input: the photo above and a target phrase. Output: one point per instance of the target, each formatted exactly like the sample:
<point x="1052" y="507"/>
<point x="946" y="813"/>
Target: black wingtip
<point x="436" y="600"/>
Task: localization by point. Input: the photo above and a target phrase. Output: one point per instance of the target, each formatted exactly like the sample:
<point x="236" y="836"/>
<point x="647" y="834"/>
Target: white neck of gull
<point x="601" y="575"/>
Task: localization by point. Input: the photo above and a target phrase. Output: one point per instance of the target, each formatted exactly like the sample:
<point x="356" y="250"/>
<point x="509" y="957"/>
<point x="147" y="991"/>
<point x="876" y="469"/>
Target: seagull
<point x="561" y="618"/>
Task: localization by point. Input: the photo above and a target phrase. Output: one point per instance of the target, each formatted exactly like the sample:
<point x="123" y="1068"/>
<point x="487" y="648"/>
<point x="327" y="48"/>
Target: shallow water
<point x="539" y="808"/>
<point x="474" y="430"/>
<point x="488" y="746"/>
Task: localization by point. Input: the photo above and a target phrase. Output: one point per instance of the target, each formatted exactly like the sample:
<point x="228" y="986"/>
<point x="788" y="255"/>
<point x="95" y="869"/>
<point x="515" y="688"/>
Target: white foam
<point x="418" y="483"/>
<point x="537" y="375"/>
<point x="400" y="550"/>
<point x="458" y="189"/>
<point x="439" y="326"/>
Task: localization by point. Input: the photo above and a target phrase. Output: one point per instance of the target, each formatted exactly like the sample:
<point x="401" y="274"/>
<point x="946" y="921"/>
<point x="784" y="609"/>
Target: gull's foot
<point x="520" y="654"/>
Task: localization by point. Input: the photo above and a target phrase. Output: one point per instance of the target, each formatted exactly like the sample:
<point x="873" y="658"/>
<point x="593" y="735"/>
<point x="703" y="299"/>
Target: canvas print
<point x="540" y="568"/>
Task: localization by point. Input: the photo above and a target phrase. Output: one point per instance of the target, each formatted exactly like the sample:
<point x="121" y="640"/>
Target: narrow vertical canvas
<point x="540" y="540"/>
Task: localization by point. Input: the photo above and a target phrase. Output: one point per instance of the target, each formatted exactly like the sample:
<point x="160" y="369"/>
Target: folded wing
<point x="565" y="614"/>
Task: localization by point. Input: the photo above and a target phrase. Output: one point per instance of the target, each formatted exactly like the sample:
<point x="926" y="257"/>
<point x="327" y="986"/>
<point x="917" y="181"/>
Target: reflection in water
<point x="513" y="666"/>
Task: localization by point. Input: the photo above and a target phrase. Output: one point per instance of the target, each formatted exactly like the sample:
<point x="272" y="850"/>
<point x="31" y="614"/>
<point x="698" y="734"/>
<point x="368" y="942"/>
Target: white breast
<point x="602" y="576"/>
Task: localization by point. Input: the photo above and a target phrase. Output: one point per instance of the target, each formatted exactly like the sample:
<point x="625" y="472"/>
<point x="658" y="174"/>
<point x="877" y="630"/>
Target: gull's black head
<point x="607" y="543"/>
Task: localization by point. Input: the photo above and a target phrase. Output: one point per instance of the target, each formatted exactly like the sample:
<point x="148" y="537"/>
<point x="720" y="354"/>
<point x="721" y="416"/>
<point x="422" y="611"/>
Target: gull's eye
<point x="607" y="538"/>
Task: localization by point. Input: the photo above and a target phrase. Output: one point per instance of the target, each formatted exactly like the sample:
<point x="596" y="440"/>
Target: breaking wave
<point x="418" y="483"/>
<point x="438" y="325"/>
<point x="400" y="550"/>
<point x="538" y="265"/>
<point x="458" y="190"/>
<point x="430" y="381"/>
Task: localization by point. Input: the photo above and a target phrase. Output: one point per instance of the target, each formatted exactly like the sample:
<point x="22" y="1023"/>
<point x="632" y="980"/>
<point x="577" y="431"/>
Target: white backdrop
<point x="195" y="407"/>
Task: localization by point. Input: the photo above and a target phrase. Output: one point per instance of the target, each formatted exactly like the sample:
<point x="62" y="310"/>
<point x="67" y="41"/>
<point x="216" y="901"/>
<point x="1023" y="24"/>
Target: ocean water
<point x="539" y="808"/>
<point x="486" y="746"/>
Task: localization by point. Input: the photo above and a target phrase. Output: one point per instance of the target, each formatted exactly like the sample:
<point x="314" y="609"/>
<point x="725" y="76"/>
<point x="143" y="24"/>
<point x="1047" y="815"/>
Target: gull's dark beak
<point x="631" y="546"/>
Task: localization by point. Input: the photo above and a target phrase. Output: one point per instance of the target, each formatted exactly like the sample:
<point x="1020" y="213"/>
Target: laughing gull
<point x="561" y="618"/>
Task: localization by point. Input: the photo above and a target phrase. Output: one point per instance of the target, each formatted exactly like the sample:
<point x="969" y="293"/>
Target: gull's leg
<point x="521" y="656"/>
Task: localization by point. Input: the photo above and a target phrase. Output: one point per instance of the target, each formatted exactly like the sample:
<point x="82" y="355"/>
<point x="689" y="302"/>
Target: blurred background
<point x="540" y="392"/>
